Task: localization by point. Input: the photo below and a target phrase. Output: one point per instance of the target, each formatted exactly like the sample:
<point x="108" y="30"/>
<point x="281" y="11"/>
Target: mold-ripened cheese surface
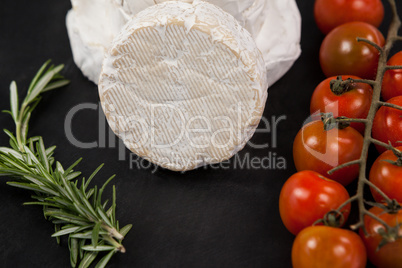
<point x="183" y="85"/>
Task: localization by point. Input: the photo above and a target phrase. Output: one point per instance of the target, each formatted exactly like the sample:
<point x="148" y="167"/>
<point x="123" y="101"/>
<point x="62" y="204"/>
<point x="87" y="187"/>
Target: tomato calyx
<point x="333" y="218"/>
<point x="389" y="235"/>
<point x="391" y="207"/>
<point x="339" y="86"/>
<point x="330" y="122"/>
<point x="398" y="154"/>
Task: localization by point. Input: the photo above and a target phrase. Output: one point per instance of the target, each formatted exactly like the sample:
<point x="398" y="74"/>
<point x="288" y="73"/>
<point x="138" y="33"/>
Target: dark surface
<point x="204" y="218"/>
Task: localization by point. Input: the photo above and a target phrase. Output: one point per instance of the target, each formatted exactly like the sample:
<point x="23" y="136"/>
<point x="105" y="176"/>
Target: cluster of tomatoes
<point x="313" y="204"/>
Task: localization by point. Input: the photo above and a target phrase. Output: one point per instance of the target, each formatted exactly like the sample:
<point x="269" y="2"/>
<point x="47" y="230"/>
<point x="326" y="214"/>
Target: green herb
<point x="75" y="209"/>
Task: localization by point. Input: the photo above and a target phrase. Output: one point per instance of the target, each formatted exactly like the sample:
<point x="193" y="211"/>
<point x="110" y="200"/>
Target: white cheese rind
<point x="186" y="89"/>
<point x="274" y="24"/>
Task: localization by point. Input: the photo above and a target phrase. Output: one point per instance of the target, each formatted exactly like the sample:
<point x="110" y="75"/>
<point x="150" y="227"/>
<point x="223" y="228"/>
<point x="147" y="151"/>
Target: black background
<point x="204" y="218"/>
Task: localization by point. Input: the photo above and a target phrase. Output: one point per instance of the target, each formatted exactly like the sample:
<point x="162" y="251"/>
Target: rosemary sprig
<point x="75" y="209"/>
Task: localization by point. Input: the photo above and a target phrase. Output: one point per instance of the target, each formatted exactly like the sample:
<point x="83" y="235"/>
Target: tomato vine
<point x="391" y="205"/>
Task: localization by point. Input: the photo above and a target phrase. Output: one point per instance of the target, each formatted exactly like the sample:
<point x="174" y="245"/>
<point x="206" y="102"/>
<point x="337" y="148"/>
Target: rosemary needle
<point x="76" y="210"/>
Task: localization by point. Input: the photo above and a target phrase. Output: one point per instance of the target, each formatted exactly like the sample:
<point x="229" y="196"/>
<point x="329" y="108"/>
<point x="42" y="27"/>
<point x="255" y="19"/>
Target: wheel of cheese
<point x="274" y="24"/>
<point x="183" y="85"/>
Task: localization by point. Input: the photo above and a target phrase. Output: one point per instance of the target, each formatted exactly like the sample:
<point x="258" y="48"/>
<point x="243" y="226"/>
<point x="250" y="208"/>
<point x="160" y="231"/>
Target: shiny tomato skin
<point x="306" y="197"/>
<point x="319" y="150"/>
<point x="387" y="125"/>
<point x="342" y="54"/>
<point x="387" y="177"/>
<point x="392" y="81"/>
<point x="323" y="246"/>
<point x="355" y="103"/>
<point x="329" y="14"/>
<point x="390" y="255"/>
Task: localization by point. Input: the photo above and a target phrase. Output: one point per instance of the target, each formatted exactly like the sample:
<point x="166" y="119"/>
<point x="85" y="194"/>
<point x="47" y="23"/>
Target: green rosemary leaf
<point x="38" y="164"/>
<point x="12" y="172"/>
<point x="13" y="152"/>
<point x="126" y="229"/>
<point x="90" y="193"/>
<point x="99" y="201"/>
<point x="13" y="144"/>
<point x="88" y="234"/>
<point x="104" y="261"/>
<point x="55" y="85"/>
<point x="11" y="135"/>
<point x="73" y="175"/>
<point x="73" y="245"/>
<point x="61" y="201"/>
<point x="105" y="204"/>
<point x="43" y="204"/>
<point x="34" y="180"/>
<point x="26" y="186"/>
<point x="114" y="205"/>
<point x="49" y="151"/>
<point x="39" y="198"/>
<point x="41" y="84"/>
<point x="89" y="257"/>
<point x="82" y="210"/>
<point x="24" y="127"/>
<point x="14" y="162"/>
<point x="40" y="148"/>
<point x="89" y="207"/>
<point x="66" y="231"/>
<point x="56" y="229"/>
<point x="98" y="248"/>
<point x="14" y="100"/>
<point x="70" y="168"/>
<point x="95" y="194"/>
<point x="95" y="234"/>
<point x="7" y="112"/>
<point x="38" y="75"/>
<point x="109" y="212"/>
<point x="49" y="191"/>
<point x="93" y="175"/>
<point x="33" y="104"/>
<point x="58" y="214"/>
<point x="104" y="216"/>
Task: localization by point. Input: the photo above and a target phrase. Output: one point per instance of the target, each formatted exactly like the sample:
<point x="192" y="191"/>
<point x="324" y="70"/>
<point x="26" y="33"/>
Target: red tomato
<point x="390" y="255"/>
<point x="320" y="151"/>
<point x="387" y="125"/>
<point x="332" y="13"/>
<point x="392" y="81"/>
<point x="323" y="246"/>
<point x="387" y="177"/>
<point x="354" y="103"/>
<point x="341" y="53"/>
<point x="306" y="197"/>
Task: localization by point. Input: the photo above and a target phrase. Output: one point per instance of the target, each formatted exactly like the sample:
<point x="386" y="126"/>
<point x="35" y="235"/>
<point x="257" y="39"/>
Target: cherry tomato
<point x="332" y="13"/>
<point x="392" y="81"/>
<point x="323" y="246"/>
<point x="342" y="54"/>
<point x="319" y="150"/>
<point x="306" y="197"/>
<point x="390" y="255"/>
<point x="387" y="176"/>
<point x="354" y="103"/>
<point x="387" y="125"/>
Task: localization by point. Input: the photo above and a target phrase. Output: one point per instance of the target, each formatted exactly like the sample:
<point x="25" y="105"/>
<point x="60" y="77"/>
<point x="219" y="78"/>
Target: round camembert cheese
<point x="183" y="85"/>
<point x="275" y="25"/>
